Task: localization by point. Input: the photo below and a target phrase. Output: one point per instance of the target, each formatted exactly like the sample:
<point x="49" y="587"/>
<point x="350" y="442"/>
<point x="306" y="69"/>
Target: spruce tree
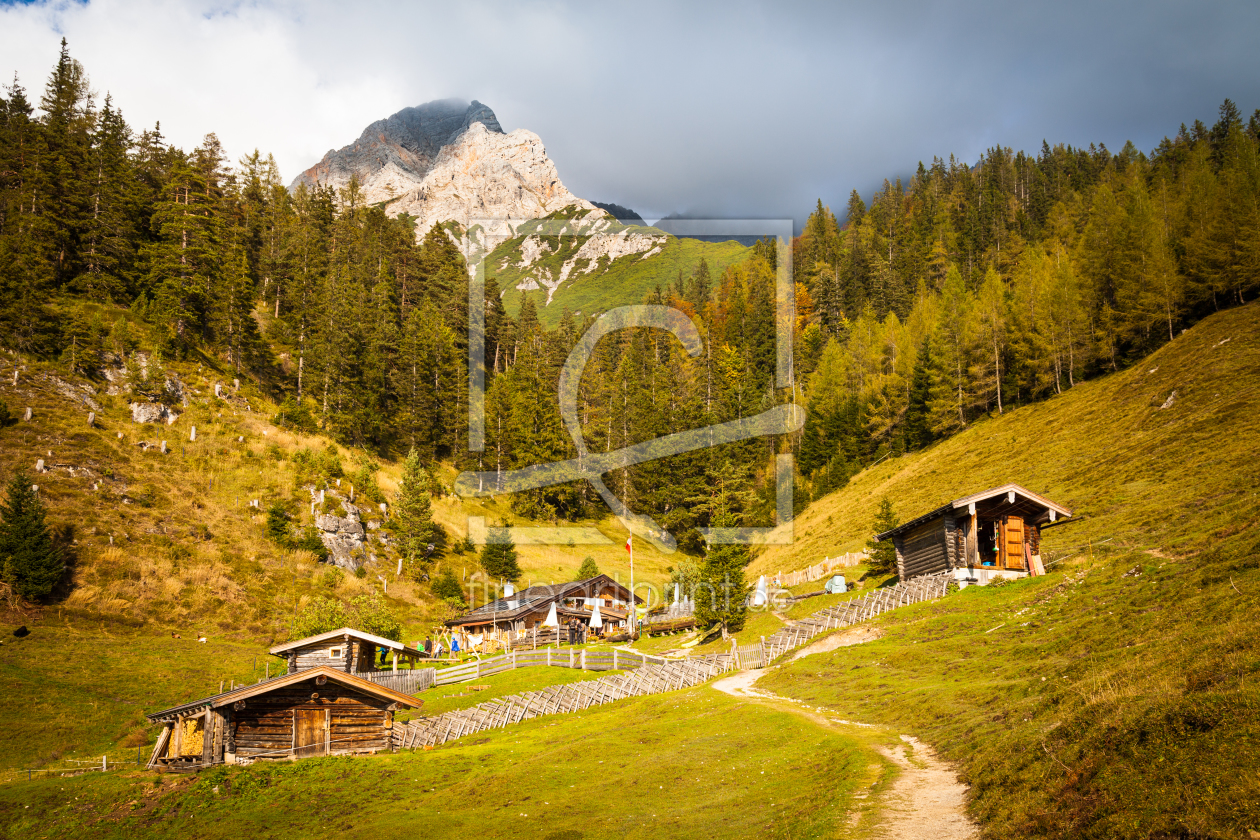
<point x="414" y="510"/>
<point x="883" y="553"/>
<point x="721" y="594"/>
<point x="498" y="558"/>
<point x="446" y="586"/>
<point x="587" y="570"/>
<point x="917" y="425"/>
<point x="30" y="561"/>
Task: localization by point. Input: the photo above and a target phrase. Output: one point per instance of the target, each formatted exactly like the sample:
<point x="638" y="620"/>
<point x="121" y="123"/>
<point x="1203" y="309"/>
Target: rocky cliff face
<point x="449" y="161"/>
<point x="393" y="155"/>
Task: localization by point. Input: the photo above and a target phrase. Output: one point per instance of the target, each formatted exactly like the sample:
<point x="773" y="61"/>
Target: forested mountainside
<point x="958" y="295"/>
<point x="974" y="288"/>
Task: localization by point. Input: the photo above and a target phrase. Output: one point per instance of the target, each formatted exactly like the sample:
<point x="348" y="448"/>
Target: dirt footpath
<point x="925" y="801"/>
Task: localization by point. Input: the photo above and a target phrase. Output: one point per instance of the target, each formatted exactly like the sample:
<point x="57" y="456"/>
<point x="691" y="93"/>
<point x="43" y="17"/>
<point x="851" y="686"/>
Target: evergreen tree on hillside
<point x="446" y="586"/>
<point x="498" y="557"/>
<point x="587" y="570"/>
<point x="721" y="593"/>
<point x="883" y="553"/>
<point x="413" y="511"/>
<point x="30" y="560"/>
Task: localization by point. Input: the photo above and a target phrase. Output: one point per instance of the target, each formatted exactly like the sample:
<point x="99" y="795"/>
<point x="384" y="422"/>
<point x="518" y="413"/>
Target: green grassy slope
<point x="687" y="764"/>
<point x="626" y="280"/>
<point x="1119" y="695"/>
<point x="1138" y="475"/>
<point x="171" y="539"/>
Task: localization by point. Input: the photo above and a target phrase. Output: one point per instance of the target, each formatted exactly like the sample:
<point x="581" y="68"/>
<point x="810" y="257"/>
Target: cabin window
<point x="334" y="653"/>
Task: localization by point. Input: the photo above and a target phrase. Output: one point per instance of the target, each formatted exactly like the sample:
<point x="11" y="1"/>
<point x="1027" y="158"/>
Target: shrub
<point x="308" y="540"/>
<point x="446" y="586"/>
<point x="318" y="468"/>
<point x="295" y="415"/>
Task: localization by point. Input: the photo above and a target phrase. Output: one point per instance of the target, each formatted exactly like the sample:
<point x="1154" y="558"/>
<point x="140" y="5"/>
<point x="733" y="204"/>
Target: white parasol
<point x="596" y="619"/>
<point x="760" y="599"/>
<point x="551" y="620"/>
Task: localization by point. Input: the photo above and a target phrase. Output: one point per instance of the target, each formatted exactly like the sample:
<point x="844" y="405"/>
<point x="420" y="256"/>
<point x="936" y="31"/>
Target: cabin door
<point x="1013" y="542"/>
<point x="308" y="732"/>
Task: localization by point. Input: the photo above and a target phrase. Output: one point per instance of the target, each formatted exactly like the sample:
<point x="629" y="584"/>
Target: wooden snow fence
<point x="645" y="678"/>
<point x="868" y="606"/>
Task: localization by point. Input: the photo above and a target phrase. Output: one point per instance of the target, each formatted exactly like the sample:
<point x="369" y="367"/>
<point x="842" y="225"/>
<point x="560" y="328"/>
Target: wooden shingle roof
<point x="1016" y="495"/>
<point x="244" y="692"/>
<point x="333" y="635"/>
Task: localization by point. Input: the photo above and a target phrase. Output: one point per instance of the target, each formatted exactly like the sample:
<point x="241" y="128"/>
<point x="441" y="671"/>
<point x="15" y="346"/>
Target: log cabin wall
<point x="356" y="722"/>
<point x="314" y="656"/>
<point x="925" y="549"/>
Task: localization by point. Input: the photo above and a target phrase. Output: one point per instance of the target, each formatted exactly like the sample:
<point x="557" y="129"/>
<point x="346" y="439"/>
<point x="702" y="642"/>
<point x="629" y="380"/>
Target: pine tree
<point x="587" y="570"/>
<point x="917" y="426"/>
<point x="498" y="556"/>
<point x="446" y="586"/>
<point x="30" y="560"/>
<point x="883" y="553"/>
<point x="721" y="593"/>
<point x="413" y="511"/>
<point x="277" y="528"/>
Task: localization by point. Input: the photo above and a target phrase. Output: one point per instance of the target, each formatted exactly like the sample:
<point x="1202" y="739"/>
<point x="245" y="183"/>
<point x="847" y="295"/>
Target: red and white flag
<point x="628" y="542"/>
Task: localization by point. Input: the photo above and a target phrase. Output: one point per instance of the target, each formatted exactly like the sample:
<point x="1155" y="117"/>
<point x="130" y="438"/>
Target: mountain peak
<point x="393" y="155"/>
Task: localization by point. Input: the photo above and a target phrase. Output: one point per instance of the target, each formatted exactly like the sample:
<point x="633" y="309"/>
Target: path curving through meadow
<point x="926" y="800"/>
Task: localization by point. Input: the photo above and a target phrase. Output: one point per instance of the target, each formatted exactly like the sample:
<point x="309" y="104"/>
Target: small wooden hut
<point x="347" y="649"/>
<point x="317" y="711"/>
<point x="989" y="535"/>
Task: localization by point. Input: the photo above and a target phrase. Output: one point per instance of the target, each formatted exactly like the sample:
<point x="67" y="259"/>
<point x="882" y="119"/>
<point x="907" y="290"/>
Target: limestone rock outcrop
<point x="152" y="412"/>
<point x="343" y="536"/>
<point x="449" y="161"/>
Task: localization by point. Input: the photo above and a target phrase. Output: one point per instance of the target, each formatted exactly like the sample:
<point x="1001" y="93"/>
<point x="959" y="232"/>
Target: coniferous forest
<point x="958" y="294"/>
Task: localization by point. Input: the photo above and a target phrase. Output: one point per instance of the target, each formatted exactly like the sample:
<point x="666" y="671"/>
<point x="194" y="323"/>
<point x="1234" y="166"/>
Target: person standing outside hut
<point x="428" y="647"/>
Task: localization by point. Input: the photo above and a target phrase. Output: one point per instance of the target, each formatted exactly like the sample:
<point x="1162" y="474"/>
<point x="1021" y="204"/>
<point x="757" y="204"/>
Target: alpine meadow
<point x="939" y="518"/>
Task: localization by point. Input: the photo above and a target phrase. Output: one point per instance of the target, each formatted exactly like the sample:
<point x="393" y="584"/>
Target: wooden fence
<point x="851" y="611"/>
<point x="646" y="674"/>
<point x="584" y="660"/>
<point x="408" y="682"/>
<point x="648" y="677"/>
<point x="820" y="570"/>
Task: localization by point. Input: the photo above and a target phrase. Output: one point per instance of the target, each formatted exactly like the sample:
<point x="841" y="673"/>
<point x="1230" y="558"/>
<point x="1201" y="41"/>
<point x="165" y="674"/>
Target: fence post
<point x="549" y="656"/>
<point x="614" y="659"/>
<point x="765" y="659"/>
<point x="583" y="659"/>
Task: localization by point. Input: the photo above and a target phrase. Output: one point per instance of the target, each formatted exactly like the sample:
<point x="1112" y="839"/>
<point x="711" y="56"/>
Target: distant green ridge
<point x="612" y="282"/>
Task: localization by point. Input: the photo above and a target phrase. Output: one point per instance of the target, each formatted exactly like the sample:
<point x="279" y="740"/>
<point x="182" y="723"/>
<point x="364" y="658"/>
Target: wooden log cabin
<point x="514" y="616"/>
<point x="346" y="649"/>
<point x="316" y="711"/>
<point x="982" y="537"/>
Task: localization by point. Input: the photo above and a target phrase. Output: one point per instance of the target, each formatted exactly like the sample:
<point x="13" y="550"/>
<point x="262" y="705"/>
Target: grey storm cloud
<point x="722" y="109"/>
